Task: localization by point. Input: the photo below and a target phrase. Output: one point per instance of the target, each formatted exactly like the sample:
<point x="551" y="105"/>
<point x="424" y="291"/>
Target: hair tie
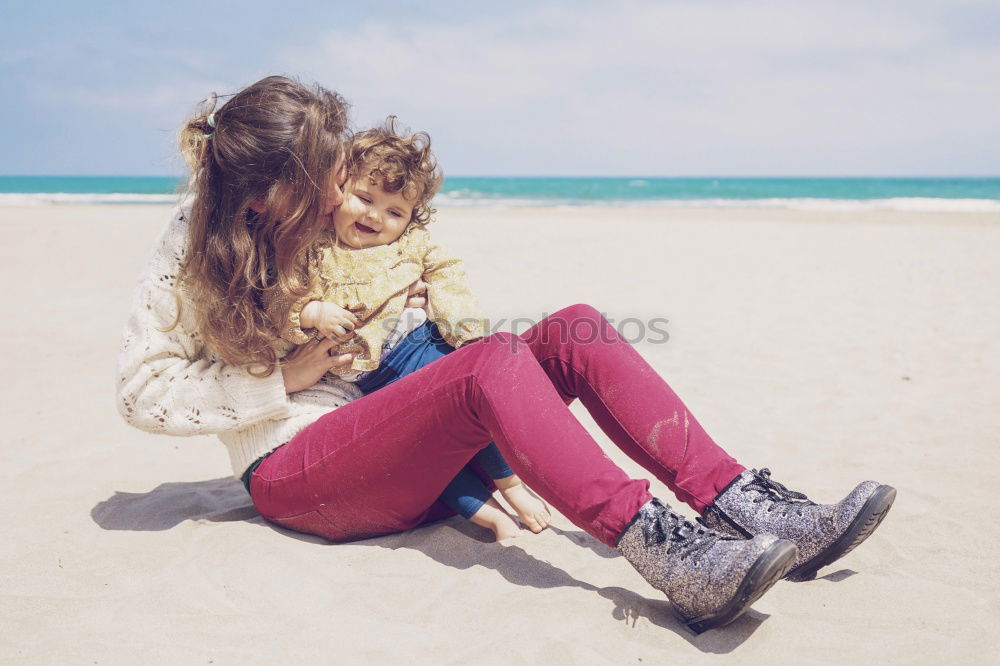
<point x="211" y="123"/>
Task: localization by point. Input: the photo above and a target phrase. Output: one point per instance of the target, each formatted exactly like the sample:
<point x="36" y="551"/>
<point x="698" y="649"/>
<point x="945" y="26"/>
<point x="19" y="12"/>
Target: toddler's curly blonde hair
<point x="403" y="162"/>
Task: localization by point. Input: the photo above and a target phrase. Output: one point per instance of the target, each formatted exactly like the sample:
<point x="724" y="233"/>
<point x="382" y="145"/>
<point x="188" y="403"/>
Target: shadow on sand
<point x="225" y="500"/>
<point x="169" y="504"/>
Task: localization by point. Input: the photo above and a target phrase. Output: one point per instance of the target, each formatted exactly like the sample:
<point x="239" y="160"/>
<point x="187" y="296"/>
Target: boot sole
<point x="769" y="568"/>
<point x="868" y="519"/>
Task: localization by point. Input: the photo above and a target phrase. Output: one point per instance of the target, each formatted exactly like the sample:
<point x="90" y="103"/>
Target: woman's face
<point x="333" y="194"/>
<point x="331" y="198"/>
<point x="335" y="187"/>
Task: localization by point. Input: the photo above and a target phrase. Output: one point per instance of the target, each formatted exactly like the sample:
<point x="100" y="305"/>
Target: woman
<point x="199" y="356"/>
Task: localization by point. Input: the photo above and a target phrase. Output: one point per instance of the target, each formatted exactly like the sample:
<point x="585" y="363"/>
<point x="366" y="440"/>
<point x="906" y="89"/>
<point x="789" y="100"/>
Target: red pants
<point x="378" y="464"/>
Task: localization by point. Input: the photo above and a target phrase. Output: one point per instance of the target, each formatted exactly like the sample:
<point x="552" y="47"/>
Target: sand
<point x="830" y="347"/>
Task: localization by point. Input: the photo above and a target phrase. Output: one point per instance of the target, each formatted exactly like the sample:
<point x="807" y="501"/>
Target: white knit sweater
<point x="170" y="383"/>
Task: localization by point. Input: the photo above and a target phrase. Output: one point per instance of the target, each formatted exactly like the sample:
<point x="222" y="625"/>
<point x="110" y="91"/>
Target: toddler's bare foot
<point x="532" y="511"/>
<point x="493" y="516"/>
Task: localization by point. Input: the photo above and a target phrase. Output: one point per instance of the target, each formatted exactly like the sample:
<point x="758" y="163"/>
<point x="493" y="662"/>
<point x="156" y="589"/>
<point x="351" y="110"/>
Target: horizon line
<point x="567" y="177"/>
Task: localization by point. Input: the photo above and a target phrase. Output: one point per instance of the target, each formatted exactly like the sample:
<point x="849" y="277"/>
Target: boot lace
<point x="684" y="537"/>
<point x="776" y="493"/>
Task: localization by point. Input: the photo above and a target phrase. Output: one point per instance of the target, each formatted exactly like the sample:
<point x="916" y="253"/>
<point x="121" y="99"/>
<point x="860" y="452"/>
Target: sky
<point x="571" y="88"/>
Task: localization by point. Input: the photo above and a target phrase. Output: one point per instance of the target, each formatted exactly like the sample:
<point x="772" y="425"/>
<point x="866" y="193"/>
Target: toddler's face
<point x="371" y="216"/>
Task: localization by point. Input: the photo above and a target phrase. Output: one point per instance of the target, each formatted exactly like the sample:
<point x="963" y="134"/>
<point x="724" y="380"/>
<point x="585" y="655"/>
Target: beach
<point x="829" y="346"/>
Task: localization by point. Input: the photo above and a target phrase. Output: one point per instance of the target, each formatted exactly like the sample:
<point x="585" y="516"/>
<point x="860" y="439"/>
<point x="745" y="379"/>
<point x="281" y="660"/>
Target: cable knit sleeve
<point x="453" y="306"/>
<point x="168" y="382"/>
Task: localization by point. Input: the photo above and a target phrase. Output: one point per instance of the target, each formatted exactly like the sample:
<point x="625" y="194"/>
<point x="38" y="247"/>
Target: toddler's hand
<point x="416" y="295"/>
<point x="332" y="321"/>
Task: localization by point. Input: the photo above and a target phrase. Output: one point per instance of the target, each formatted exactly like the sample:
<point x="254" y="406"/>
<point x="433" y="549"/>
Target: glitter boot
<point x="710" y="578"/>
<point x="755" y="504"/>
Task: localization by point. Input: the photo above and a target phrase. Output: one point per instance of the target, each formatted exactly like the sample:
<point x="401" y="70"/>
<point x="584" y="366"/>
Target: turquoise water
<point x="89" y="184"/>
<point x="718" y="190"/>
<point x="831" y="193"/>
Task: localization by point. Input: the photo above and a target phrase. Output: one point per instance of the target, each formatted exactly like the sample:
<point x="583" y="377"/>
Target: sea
<point x="908" y="194"/>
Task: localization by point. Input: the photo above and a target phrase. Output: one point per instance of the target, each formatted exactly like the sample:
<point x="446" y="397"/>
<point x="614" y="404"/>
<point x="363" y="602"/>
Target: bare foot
<point x="493" y="516"/>
<point x="532" y="511"/>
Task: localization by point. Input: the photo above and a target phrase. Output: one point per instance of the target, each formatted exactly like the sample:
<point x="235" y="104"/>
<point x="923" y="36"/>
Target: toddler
<point x="378" y="247"/>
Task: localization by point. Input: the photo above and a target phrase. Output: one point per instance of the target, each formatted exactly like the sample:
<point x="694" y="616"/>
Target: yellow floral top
<point x="373" y="283"/>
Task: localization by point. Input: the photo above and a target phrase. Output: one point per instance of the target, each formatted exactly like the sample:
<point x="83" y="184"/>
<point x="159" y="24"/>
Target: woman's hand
<point x="307" y="363"/>
<point x="417" y="295"/>
<point x="332" y="321"/>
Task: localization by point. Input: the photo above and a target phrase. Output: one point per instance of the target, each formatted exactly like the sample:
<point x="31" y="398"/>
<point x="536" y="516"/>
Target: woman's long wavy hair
<point x="272" y="147"/>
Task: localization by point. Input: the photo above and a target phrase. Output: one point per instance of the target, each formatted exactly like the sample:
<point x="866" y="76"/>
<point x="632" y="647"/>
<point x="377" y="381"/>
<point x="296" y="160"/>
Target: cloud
<point x="772" y="85"/>
<point x="549" y="87"/>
